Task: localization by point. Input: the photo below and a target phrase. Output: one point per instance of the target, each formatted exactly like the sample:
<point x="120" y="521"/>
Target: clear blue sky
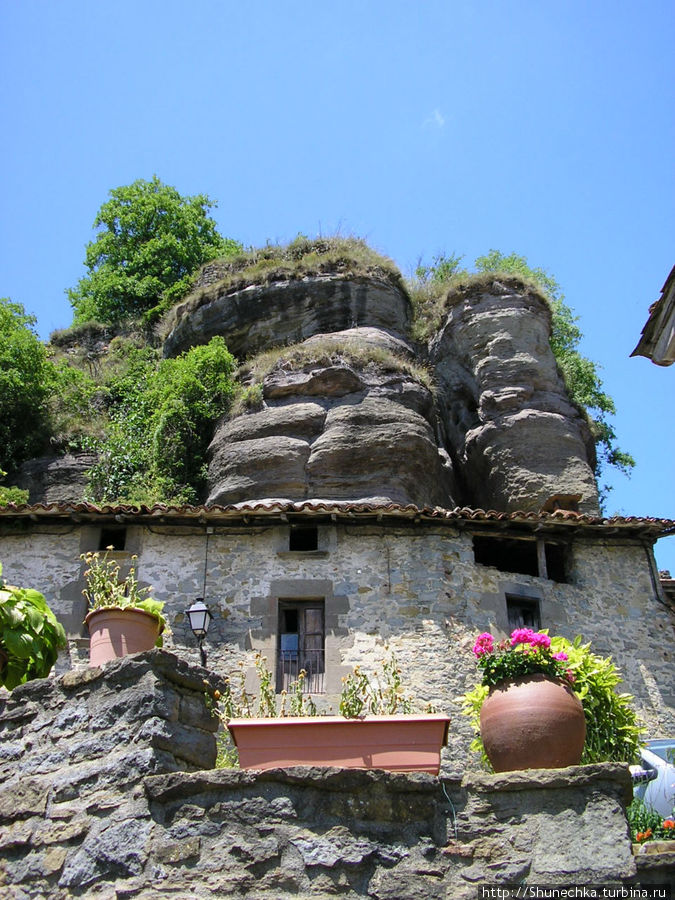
<point x="536" y="127"/>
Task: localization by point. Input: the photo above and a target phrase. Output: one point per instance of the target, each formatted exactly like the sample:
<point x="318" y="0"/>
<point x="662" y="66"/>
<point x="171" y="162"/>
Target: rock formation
<point x="499" y="431"/>
<point x="508" y="421"/>
<point x="55" y="479"/>
<point x="339" y="402"/>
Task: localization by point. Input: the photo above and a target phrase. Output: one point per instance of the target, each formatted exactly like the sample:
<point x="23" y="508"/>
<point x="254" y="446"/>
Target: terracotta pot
<point x="115" y="632"/>
<point x="532" y="722"/>
<point x="395" y="743"/>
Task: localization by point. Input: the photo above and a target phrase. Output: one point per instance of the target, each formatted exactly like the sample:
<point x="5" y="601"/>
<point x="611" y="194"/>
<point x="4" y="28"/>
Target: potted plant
<point x="546" y="702"/>
<point x="376" y="729"/>
<point x="30" y="635"/>
<point x="122" y="617"/>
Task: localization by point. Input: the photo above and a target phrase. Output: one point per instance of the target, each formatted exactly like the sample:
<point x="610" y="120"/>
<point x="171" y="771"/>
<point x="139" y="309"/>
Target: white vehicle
<point x="654" y="780"/>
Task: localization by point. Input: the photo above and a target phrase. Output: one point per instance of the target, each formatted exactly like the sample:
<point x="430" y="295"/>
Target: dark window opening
<point x="506" y="554"/>
<point x="113" y="537"/>
<point x="522" y="556"/>
<point x="301" y="645"/>
<point x="556" y="559"/>
<point x="306" y="538"/>
<point x="523" y="613"/>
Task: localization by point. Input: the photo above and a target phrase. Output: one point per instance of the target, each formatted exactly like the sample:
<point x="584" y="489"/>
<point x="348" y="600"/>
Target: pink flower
<point x="571" y="677"/>
<point x="561" y="656"/>
<point x="521" y="636"/>
<point x="484" y="644"/>
<point x="540" y="640"/>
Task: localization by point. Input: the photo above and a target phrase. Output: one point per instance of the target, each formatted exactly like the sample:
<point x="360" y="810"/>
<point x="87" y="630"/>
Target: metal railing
<point x="291" y="663"/>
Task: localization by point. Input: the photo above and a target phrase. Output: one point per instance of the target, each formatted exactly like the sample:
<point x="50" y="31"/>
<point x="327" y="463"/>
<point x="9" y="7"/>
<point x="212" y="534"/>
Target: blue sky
<point x="536" y="127"/>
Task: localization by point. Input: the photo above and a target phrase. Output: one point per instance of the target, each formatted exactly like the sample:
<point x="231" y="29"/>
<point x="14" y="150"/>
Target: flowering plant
<point x="647" y="824"/>
<point x="613" y="732"/>
<point x="526" y="652"/>
<point x="106" y="588"/>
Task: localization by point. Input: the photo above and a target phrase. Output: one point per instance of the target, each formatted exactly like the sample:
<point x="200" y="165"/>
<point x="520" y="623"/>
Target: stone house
<point x="385" y="491"/>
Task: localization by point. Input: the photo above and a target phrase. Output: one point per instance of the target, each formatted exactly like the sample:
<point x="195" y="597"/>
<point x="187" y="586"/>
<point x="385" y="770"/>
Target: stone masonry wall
<point x="93" y="804"/>
<point x="416" y="590"/>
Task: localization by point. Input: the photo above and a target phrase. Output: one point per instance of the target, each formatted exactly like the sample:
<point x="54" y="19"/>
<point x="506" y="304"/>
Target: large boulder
<point x="508" y="421"/>
<point x="348" y="426"/>
<point x="256" y="317"/>
<point x="55" y="479"/>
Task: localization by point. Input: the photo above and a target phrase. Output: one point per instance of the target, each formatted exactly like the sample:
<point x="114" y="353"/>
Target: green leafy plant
<point x="161" y="417"/>
<point x="648" y="825"/>
<point x="9" y="494"/>
<point x="612" y="729"/>
<point x="380" y="694"/>
<point x="30" y="635"/>
<point x="106" y="588"/>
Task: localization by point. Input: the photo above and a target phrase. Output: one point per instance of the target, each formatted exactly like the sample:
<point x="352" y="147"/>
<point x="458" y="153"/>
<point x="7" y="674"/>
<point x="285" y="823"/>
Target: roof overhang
<point x="280" y="511"/>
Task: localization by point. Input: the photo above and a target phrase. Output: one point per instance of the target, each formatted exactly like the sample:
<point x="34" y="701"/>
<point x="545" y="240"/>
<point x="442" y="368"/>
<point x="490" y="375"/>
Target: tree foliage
<point x="26" y="381"/>
<point x="150" y="240"/>
<point x="161" y="422"/>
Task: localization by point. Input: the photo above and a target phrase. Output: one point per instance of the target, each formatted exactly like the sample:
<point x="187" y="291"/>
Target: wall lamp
<point x="199" y="618"/>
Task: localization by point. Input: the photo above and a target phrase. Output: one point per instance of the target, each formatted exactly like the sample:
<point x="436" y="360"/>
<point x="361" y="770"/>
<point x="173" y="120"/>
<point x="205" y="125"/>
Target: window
<point x="115" y="537"/>
<point x="304" y="538"/>
<point x="523" y="613"/>
<point x="301" y="644"/>
<point x="543" y="559"/>
<point x="507" y="554"/>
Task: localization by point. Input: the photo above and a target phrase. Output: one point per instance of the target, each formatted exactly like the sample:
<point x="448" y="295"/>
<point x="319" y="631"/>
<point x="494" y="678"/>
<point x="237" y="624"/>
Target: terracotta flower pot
<point x="115" y="632"/>
<point x="532" y="722"/>
<point x="395" y="743"/>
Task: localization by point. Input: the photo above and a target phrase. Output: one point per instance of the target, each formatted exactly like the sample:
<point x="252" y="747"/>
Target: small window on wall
<point x="537" y="557"/>
<point x="301" y="645"/>
<point x="523" y="613"/>
<point x="305" y="538"/>
<point x="115" y="537"/>
<point x="506" y="554"/>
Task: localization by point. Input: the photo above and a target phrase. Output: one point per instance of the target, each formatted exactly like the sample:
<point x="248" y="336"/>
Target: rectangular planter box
<point x="395" y="743"/>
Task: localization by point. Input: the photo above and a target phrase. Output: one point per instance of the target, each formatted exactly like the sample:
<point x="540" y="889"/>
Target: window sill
<point x="302" y="554"/>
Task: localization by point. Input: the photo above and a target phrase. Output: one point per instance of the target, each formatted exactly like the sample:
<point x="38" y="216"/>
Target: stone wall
<point x="93" y="804"/>
<point x="415" y="589"/>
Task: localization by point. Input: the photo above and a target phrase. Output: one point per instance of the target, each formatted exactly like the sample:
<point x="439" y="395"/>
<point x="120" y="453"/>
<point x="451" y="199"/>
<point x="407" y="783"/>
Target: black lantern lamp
<point x="199" y="618"/>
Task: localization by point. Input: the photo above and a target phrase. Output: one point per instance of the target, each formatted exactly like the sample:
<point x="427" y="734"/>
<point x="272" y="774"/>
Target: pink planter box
<point x="395" y="743"/>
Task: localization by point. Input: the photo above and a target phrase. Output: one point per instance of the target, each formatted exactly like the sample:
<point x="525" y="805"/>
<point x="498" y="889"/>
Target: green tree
<point x="161" y="422"/>
<point x="26" y="381"/>
<point x="150" y="241"/>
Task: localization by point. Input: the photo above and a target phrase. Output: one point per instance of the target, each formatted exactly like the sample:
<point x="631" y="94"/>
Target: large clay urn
<point x="115" y="632"/>
<point x="532" y="722"/>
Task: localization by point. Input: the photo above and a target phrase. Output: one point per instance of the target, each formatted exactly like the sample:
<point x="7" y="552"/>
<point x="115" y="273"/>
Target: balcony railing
<point x="290" y="664"/>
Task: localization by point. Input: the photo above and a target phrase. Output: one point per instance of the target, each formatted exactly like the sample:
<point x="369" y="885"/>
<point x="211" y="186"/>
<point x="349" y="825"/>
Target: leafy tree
<point x="161" y="422"/>
<point x="25" y="383"/>
<point x="150" y="241"/>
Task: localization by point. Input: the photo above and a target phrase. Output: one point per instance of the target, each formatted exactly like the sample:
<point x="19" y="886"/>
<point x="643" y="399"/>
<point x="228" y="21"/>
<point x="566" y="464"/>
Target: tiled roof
<point x="339" y="510"/>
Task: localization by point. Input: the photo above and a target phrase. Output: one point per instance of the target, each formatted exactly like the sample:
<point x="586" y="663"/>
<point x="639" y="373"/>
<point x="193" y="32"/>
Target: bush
<point x="30" y="635"/>
<point x="161" y="422"/>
